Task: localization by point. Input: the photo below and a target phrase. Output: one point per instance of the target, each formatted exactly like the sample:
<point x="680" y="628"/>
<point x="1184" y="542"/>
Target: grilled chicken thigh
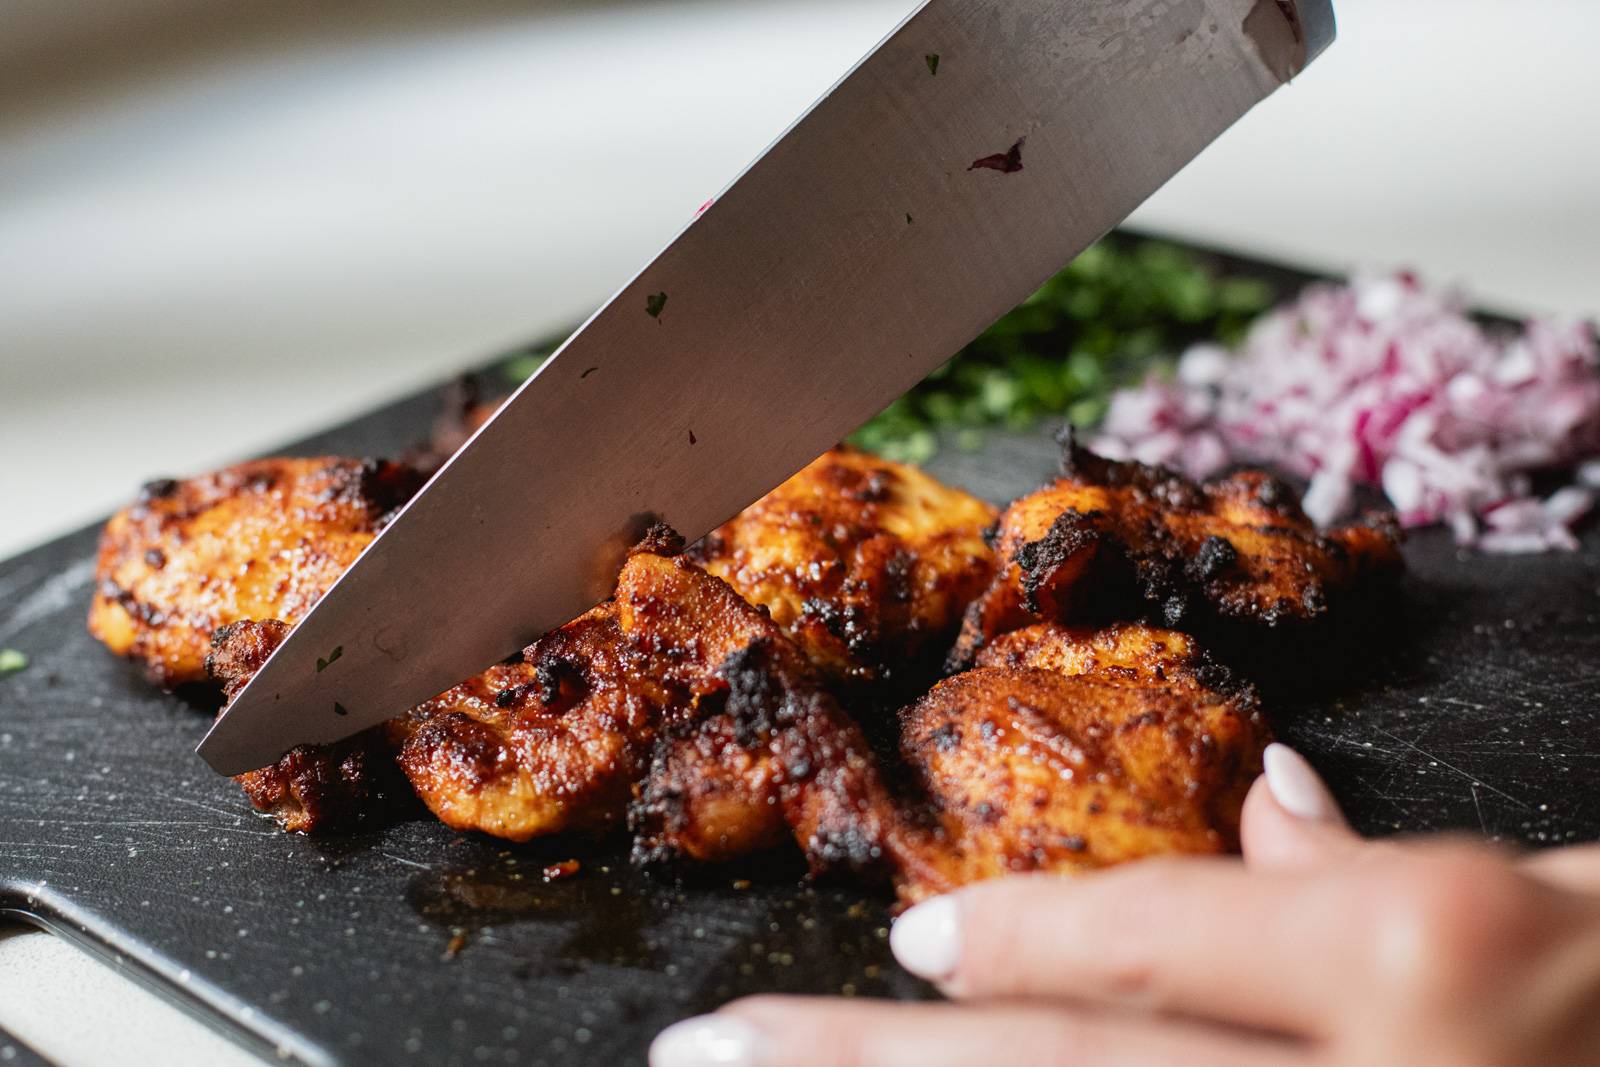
<point x="697" y="703"/>
<point x="701" y="706"/>
<point x="1120" y="536"/>
<point x="261" y="540"/>
<point x="865" y="563"/>
<point x="762" y="751"/>
<point x="552" y="743"/>
<point x="1067" y="750"/>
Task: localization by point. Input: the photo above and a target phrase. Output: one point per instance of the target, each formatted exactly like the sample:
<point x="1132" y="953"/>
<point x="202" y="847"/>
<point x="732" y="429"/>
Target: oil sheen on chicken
<point x="554" y="742"/>
<point x="865" y="563"/>
<point x="1112" y="538"/>
<point x="262" y="540"/>
<point x="551" y="741"/>
<point x="1071" y="749"/>
<point x="702" y="705"/>
<point x="763" y="751"/>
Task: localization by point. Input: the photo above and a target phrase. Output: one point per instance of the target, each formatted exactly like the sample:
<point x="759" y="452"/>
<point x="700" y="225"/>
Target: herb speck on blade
<point x="932" y="59"/>
<point x="322" y="664"/>
<point x="340" y="709"/>
<point x="654" y="304"/>
<point x="11" y="660"/>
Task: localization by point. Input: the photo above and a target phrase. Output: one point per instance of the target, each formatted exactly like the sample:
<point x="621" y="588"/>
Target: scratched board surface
<point x="1468" y="700"/>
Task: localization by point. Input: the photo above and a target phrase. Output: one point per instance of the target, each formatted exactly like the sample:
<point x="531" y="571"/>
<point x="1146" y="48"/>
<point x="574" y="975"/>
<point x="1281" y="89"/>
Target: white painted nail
<point x="927" y="939"/>
<point x="1296" y="786"/>
<point x="708" y="1041"/>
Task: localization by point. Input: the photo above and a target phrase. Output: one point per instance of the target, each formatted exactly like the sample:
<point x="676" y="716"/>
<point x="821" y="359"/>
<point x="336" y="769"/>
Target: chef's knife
<point x="975" y="151"/>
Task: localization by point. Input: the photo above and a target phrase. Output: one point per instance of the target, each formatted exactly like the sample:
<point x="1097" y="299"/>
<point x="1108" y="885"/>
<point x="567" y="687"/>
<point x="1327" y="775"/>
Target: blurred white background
<point x="223" y="224"/>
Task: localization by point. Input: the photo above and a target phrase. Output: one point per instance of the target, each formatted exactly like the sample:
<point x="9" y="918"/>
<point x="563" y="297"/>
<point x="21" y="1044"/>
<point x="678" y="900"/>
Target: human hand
<point x="1318" y="950"/>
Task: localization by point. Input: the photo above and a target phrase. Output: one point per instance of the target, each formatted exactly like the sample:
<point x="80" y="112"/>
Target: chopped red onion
<point x="1385" y="382"/>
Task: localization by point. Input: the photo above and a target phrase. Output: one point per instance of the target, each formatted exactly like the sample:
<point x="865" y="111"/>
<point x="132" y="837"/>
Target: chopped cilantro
<point x="11" y="660"/>
<point x="322" y="664"/>
<point x="909" y="219"/>
<point x="654" y="304"/>
<point x="1120" y="310"/>
<point x="932" y="59"/>
<point x="340" y="709"/>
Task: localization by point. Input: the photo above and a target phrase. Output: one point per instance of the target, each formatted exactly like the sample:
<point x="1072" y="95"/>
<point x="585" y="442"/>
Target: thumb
<point x="1290" y="819"/>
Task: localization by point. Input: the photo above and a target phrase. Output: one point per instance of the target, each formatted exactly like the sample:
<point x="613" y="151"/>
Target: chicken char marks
<point x="701" y="706"/>
<point x="678" y="706"/>
<point x="261" y="540"/>
<point x="1070" y="749"/>
<point x="554" y="742"/>
<point x="311" y="788"/>
<point x="549" y="742"/>
<point x="865" y="563"/>
<point x="762" y="750"/>
<point x="1109" y="538"/>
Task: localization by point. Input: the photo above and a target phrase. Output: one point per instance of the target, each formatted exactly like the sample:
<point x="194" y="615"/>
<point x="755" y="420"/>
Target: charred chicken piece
<point x="1071" y="750"/>
<point x="866" y="564"/>
<point x="552" y="743"/>
<point x="760" y="750"/>
<point x="261" y="540"/>
<point x="1119" y="535"/>
<point x="312" y="788"/>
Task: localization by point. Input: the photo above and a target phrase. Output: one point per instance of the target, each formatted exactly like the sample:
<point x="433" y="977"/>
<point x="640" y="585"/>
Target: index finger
<point x="1200" y="937"/>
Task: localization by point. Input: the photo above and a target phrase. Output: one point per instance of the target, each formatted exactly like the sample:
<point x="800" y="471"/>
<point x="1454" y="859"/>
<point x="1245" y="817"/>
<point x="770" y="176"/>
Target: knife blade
<point x="970" y="155"/>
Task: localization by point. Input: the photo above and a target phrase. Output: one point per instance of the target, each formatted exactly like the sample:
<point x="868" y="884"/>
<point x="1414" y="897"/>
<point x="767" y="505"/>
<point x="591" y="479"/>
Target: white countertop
<point x="220" y="229"/>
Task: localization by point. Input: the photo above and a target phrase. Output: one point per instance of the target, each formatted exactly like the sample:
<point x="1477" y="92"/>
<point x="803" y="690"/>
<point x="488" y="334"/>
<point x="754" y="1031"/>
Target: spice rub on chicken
<point x="312" y="788"/>
<point x="701" y="706"/>
<point x="865" y="563"/>
<point x="551" y="743"/>
<point x="1071" y="749"/>
<point x="759" y="750"/>
<point x="1117" y="537"/>
<point x="262" y="540"/>
<point x="548" y="742"/>
<point x="677" y="700"/>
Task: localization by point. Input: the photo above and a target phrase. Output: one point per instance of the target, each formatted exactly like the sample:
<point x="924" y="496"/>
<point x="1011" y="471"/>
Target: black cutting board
<point x="1470" y="701"/>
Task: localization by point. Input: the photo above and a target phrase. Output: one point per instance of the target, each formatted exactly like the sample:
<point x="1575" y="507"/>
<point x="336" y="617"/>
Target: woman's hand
<point x="1319" y="949"/>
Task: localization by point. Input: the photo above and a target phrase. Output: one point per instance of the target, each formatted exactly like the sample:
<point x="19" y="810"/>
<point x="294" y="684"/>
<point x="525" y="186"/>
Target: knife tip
<point x="226" y="753"/>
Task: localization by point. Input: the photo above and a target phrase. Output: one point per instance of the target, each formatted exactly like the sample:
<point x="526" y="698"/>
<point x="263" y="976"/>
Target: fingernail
<point x="927" y="939"/>
<point x="1296" y="787"/>
<point x="708" y="1041"/>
